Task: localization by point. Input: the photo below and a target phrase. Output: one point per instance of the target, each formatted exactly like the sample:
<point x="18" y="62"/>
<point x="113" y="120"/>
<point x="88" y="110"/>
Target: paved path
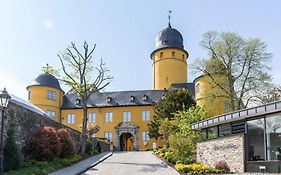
<point x="131" y="163"/>
<point x="82" y="165"/>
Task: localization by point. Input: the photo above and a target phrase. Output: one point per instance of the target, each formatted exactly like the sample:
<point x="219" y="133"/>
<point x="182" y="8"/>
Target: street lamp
<point x="4" y="101"/>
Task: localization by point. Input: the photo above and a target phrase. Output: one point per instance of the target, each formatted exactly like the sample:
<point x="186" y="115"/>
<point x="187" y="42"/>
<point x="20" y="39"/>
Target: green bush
<point x="32" y="167"/>
<point x="89" y="150"/>
<point x="68" y="149"/>
<point x="44" y="144"/>
<point x="12" y="154"/>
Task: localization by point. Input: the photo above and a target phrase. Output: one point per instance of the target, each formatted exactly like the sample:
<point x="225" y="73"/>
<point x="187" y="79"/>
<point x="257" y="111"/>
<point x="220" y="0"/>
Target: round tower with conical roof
<point x="45" y="93"/>
<point x="208" y="88"/>
<point x="169" y="60"/>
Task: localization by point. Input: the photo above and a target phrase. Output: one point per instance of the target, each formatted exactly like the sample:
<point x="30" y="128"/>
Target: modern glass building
<point x="255" y="131"/>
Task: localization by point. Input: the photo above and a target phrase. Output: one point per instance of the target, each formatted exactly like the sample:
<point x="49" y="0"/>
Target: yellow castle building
<point x="123" y="115"/>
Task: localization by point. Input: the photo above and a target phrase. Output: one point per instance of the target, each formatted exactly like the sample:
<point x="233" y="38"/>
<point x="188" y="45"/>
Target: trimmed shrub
<point x="68" y="149"/>
<point x="89" y="150"/>
<point x="44" y="144"/>
<point x="12" y="154"/>
<point x="222" y="165"/>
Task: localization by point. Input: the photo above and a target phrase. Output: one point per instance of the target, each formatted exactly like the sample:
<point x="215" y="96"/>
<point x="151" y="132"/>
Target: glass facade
<point x="255" y="136"/>
<point x="273" y="137"/>
<point x="263" y="136"/>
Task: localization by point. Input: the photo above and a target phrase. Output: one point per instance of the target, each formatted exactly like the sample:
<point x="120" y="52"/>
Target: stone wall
<point x="229" y="149"/>
<point x="27" y="121"/>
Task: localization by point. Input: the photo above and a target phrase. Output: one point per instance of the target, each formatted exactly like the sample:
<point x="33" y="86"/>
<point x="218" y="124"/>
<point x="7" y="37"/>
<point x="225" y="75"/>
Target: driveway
<point x="132" y="163"/>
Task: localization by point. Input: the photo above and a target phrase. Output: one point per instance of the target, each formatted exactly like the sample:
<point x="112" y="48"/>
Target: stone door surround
<point x="127" y="127"/>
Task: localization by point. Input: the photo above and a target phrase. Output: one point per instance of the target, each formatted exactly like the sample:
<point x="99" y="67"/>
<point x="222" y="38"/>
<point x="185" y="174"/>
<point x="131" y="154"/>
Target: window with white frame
<point x="51" y="95"/>
<point x="108" y="135"/>
<point x="144" y="136"/>
<point x="91" y="117"/>
<point x="126" y="116"/>
<point x="52" y="114"/>
<point x="70" y="118"/>
<point x="108" y="117"/>
<point x="145" y="115"/>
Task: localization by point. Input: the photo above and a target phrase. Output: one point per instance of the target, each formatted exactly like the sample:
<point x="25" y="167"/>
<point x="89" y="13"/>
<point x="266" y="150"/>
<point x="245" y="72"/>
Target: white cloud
<point x="48" y="23"/>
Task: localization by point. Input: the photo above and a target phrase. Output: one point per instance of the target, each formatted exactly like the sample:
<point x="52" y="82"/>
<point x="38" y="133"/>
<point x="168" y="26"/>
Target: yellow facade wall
<point x="38" y="95"/>
<point x="169" y="66"/>
<point x="136" y="118"/>
<point x="204" y="95"/>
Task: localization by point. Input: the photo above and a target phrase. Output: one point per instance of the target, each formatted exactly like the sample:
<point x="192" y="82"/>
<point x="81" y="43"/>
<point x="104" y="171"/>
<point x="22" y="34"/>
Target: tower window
<point x="52" y="114"/>
<point x="173" y="53"/>
<point x="183" y="56"/>
<point x="51" y="95"/>
<point x="197" y="88"/>
<point x="161" y="54"/>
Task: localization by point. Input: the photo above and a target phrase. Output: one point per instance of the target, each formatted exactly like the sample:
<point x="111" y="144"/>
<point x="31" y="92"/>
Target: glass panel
<point x="270" y="107"/>
<point x="273" y="136"/>
<point x="256" y="139"/>
<point x="261" y="109"/>
<point x="224" y="130"/>
<point x="251" y="111"/>
<point x="212" y="132"/>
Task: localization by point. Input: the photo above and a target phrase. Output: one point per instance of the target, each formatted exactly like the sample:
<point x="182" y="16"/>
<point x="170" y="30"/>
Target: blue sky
<point x="32" y="32"/>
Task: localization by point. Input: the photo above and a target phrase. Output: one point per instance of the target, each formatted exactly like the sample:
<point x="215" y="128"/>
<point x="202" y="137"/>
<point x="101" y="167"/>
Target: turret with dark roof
<point x="46" y="79"/>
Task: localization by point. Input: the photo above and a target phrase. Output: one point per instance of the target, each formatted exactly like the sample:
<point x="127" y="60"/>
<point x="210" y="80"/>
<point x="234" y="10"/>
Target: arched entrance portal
<point x="126" y="142"/>
<point x="128" y="132"/>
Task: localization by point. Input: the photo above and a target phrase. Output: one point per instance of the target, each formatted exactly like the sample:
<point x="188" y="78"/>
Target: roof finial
<point x="169" y="17"/>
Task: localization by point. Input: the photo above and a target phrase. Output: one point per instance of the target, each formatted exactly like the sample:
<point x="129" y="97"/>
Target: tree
<point x="12" y="154"/>
<point x="77" y="68"/>
<point x="68" y="148"/>
<point x="43" y="144"/>
<point x="183" y="139"/>
<point x="271" y="95"/>
<point x="50" y="70"/>
<point x="243" y="63"/>
<point x="174" y="101"/>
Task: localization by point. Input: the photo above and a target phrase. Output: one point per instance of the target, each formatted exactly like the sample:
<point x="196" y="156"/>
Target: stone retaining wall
<point x="229" y="149"/>
<point x="27" y="121"/>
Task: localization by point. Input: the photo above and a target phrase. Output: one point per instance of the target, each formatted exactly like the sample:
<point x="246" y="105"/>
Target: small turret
<point x="45" y="93"/>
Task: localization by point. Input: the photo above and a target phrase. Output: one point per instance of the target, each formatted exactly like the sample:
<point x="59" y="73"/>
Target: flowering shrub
<point x="44" y="144"/>
<point x="222" y="165"/>
<point x="194" y="168"/>
<point x="68" y="149"/>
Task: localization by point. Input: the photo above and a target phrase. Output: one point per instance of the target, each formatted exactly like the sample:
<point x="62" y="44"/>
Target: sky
<point x="33" y="32"/>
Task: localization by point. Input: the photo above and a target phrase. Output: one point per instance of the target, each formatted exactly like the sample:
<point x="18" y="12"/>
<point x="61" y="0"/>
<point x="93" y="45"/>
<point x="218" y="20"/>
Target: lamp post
<point x="4" y="101"/>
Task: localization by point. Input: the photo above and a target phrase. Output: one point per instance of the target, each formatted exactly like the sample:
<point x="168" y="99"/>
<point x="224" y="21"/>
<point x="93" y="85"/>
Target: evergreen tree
<point x="12" y="154"/>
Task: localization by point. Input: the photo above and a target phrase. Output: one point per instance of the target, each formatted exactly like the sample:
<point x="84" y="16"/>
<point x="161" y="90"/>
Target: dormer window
<point x="145" y="98"/>
<point x="78" y="101"/>
<point x="132" y="98"/>
<point x="108" y="100"/>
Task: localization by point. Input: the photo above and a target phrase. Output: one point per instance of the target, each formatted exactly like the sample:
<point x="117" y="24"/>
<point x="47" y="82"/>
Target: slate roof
<point x="118" y="98"/>
<point x="46" y="79"/>
<point x="169" y="37"/>
<point x="188" y="86"/>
